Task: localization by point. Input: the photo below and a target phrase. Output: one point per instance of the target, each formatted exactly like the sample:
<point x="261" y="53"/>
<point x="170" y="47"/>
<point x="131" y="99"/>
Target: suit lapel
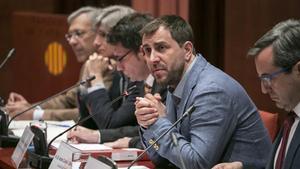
<point x="192" y="77"/>
<point x="292" y="148"/>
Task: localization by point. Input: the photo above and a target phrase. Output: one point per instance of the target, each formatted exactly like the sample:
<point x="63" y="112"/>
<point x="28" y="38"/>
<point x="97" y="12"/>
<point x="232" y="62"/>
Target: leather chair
<point x="270" y="121"/>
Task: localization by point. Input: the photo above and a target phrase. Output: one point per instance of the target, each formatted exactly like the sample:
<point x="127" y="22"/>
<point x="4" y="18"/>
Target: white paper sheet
<point x="86" y="147"/>
<point x="53" y="128"/>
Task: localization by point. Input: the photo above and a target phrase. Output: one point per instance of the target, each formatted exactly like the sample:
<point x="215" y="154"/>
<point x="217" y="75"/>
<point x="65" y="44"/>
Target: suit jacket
<point x="293" y="154"/>
<point x="225" y="125"/>
<point x="110" y="116"/>
<point x="63" y="107"/>
<point x="108" y="135"/>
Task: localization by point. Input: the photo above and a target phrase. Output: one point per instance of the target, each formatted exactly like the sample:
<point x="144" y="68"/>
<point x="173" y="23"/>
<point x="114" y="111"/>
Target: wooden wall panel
<point x="27" y="72"/>
<point x="207" y="21"/>
<point x="7" y="9"/>
<point x="163" y="7"/>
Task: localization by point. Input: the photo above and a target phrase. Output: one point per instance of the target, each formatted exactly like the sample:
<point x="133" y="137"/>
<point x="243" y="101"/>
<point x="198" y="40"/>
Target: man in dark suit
<point x="277" y="61"/>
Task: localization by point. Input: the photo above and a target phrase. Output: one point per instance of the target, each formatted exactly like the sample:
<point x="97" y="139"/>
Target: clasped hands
<point x="99" y="66"/>
<point x="148" y="109"/>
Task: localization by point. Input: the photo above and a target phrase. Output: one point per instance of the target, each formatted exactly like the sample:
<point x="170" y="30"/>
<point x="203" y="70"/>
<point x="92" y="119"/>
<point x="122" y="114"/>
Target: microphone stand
<point x="7" y="140"/>
<point x="187" y="112"/>
<point x="43" y="162"/>
<point x="7" y="57"/>
<point x="49" y="98"/>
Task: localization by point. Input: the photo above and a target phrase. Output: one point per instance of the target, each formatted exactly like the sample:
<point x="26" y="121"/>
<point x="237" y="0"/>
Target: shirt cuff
<point x="99" y="137"/>
<point x="38" y="113"/>
<point x="97" y="86"/>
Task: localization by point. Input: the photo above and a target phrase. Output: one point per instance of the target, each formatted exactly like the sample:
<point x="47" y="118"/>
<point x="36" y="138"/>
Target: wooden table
<point x="6" y="163"/>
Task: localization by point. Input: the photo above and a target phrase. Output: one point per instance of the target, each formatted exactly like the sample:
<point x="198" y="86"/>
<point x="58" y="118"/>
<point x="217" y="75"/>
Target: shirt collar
<point x="178" y="92"/>
<point x="149" y="81"/>
<point x="297" y="109"/>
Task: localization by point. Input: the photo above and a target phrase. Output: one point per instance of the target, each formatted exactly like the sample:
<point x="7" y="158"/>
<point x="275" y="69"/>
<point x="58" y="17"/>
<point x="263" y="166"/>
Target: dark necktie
<point x="287" y="124"/>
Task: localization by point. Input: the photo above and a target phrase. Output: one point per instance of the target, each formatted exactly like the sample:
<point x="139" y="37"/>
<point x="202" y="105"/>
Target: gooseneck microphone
<point x="49" y="98"/>
<point x="186" y="113"/>
<point x="10" y="53"/>
<point x="125" y="93"/>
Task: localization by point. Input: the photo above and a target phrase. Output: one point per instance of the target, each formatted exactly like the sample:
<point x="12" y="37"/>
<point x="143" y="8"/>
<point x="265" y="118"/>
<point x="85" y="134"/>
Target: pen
<point x="59" y="125"/>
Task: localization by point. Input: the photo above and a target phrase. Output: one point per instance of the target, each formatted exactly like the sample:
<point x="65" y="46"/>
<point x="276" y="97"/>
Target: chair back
<point x="270" y="121"/>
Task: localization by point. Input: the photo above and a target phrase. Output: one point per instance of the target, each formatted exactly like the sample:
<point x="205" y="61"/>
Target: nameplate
<point x="65" y="157"/>
<point x="22" y="147"/>
<point x="93" y="163"/>
<point x="124" y="155"/>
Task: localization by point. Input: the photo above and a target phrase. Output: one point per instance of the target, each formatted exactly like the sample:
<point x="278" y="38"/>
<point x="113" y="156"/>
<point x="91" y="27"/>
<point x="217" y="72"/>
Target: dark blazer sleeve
<point x="112" y="93"/>
<point x="106" y="115"/>
<point x="84" y="112"/>
<point x="135" y="142"/>
<point x="108" y="135"/>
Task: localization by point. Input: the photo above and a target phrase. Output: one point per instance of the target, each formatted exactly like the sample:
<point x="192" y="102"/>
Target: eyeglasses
<point x="77" y="34"/>
<point x="267" y="78"/>
<point x="119" y="59"/>
<point x="101" y="33"/>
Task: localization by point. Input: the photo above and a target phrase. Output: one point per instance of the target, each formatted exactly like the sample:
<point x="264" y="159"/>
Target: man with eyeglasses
<point x="80" y="36"/>
<point x="277" y="61"/>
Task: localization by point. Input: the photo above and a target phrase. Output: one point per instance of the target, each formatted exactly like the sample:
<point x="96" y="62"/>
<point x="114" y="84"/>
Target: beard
<point x="173" y="76"/>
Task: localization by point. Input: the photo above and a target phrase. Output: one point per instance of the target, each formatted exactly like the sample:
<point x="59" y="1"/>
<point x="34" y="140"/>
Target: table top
<point x="6" y="163"/>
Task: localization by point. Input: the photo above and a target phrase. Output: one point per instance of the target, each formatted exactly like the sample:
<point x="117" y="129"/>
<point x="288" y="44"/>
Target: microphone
<point x="3" y="122"/>
<point x="6" y="140"/>
<point x="51" y="97"/>
<point x="125" y="93"/>
<point x="186" y="113"/>
<point x="10" y="53"/>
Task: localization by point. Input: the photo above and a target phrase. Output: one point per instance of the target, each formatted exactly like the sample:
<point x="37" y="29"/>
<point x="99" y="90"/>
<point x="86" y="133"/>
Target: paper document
<point x="86" y="147"/>
<point x="53" y="128"/>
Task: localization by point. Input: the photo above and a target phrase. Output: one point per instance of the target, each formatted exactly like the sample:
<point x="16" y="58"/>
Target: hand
<point x="83" y="135"/>
<point x="232" y="165"/>
<point x="148" y="109"/>
<point x="16" y="104"/>
<point x="15" y="97"/>
<point x="120" y="143"/>
<point x="98" y="66"/>
<point x="85" y="73"/>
